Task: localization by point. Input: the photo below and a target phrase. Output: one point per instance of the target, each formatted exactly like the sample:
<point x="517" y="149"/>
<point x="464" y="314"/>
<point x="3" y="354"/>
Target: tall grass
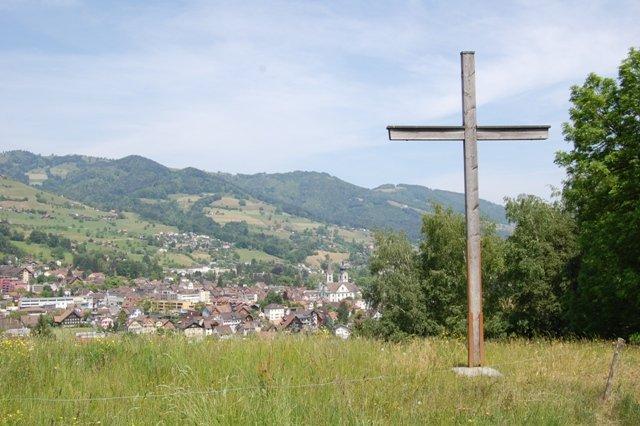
<point x="309" y="380"/>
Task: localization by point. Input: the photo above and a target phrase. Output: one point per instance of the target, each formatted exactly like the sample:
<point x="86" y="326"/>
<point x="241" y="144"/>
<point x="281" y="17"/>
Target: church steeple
<point x="344" y="275"/>
<point x="329" y="275"/>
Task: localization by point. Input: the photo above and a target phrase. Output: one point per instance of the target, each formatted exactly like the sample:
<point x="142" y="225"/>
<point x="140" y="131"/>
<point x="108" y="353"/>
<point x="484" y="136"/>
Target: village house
<point x="106" y="323"/>
<point x="194" y="297"/>
<point x="111" y="300"/>
<point x="249" y="327"/>
<point x="161" y="305"/>
<point x="311" y="295"/>
<point x="304" y="320"/>
<point x="220" y="308"/>
<point x="274" y="312"/>
<point x="222" y="331"/>
<point x="9" y="285"/>
<point x="232" y="319"/>
<point x="292" y="324"/>
<point x="134" y="326"/>
<point x="243" y="311"/>
<point x="23" y="274"/>
<point x="141" y="325"/>
<point x="97" y="278"/>
<point x="193" y="328"/>
<point x="137" y="326"/>
<point x="68" y="318"/>
<point x="165" y="324"/>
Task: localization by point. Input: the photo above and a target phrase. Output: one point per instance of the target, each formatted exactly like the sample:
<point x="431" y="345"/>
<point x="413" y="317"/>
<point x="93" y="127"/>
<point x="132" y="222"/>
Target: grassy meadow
<point x="310" y="380"/>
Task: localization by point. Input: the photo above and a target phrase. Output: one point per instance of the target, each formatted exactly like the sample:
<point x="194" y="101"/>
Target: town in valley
<point x="190" y="301"/>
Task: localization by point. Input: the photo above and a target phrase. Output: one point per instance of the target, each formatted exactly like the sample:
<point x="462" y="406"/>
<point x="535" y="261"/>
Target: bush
<point x="43" y="327"/>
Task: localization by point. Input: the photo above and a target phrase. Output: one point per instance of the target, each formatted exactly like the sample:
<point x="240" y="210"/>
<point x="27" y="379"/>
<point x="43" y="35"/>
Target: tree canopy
<point x="602" y="192"/>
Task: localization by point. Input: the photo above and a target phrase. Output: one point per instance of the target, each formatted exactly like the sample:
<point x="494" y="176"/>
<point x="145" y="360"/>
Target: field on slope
<point x="265" y="218"/>
<point x="309" y="380"/>
<point x="27" y="208"/>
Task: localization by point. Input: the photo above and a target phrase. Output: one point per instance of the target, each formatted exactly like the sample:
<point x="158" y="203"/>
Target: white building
<point x="203" y="296"/>
<point x="56" y="302"/>
<point x="274" y="312"/>
<point x="112" y="300"/>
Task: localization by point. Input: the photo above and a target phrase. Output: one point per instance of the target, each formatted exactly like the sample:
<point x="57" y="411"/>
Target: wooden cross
<point x="470" y="133"/>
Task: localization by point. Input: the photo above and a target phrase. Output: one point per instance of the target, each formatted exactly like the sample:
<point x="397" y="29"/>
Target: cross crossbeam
<point x="453" y="133"/>
<point x="470" y="133"/>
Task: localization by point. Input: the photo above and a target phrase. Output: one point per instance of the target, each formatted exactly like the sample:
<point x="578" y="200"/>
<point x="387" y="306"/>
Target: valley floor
<point x="309" y="380"/>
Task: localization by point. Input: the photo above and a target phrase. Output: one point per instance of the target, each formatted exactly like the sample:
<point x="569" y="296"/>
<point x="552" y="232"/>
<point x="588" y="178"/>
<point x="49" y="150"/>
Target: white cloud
<point x="263" y="86"/>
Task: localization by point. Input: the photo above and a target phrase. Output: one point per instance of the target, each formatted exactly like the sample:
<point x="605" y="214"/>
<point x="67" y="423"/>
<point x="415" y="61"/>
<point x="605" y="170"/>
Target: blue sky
<point x="247" y="87"/>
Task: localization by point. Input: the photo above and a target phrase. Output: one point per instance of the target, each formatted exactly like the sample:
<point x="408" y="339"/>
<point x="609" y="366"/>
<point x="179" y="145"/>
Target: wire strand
<point x="242" y="388"/>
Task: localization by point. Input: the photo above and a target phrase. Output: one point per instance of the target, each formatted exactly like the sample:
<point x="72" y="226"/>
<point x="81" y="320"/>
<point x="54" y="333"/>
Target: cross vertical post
<point x="475" y="333"/>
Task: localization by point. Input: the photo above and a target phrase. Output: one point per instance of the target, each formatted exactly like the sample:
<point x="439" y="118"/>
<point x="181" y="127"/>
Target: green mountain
<point x="146" y="187"/>
<point x="109" y="183"/>
<point x="329" y="199"/>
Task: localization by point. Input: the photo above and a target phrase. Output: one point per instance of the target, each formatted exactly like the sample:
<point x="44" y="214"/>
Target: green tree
<point x="396" y="289"/>
<point x="15" y="315"/>
<point x="43" y="327"/>
<point x="444" y="270"/>
<point x="57" y="253"/>
<point x="146" y="306"/>
<point x="540" y="259"/>
<point x="602" y="191"/>
<point x="343" y="313"/>
<point x="272" y="297"/>
<point x="114" y="282"/>
<point x="424" y="292"/>
<point x="46" y="291"/>
<point x="121" y="321"/>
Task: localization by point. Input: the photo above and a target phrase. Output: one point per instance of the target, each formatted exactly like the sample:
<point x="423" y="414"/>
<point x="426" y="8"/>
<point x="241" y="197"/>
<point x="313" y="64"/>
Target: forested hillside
<point x="128" y="183"/>
<point x="48" y="228"/>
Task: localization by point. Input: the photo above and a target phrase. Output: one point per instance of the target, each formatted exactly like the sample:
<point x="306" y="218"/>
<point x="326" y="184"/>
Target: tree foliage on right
<point x="602" y="191"/>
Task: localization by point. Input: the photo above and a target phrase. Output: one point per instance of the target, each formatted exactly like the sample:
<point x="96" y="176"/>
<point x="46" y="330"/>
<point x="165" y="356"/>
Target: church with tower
<point x="335" y="292"/>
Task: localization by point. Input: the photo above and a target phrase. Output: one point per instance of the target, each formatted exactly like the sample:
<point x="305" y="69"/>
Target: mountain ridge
<point x="121" y="183"/>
